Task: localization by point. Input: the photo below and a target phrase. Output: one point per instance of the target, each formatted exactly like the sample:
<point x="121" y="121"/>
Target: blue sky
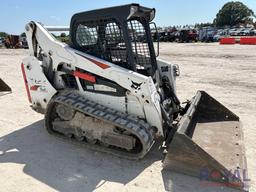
<point x="16" y="13"/>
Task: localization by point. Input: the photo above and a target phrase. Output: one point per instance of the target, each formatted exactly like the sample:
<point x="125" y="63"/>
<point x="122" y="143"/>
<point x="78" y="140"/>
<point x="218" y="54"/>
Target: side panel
<point x="39" y="88"/>
<point x="147" y="102"/>
<point x="134" y="106"/>
<point x="117" y="103"/>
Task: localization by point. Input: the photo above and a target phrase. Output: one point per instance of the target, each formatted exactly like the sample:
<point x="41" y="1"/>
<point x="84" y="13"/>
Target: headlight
<point x="176" y="70"/>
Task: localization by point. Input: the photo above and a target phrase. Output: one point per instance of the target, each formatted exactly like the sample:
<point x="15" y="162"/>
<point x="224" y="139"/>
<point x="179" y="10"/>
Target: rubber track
<point x="136" y="126"/>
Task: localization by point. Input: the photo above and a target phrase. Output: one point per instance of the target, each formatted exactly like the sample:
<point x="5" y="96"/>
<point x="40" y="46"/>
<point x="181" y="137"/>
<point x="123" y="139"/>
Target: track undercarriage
<point x="72" y="116"/>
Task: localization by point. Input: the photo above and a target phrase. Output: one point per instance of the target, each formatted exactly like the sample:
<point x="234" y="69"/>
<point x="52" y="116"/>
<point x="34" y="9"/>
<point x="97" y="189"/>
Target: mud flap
<point x="208" y="144"/>
<point x="4" y="87"/>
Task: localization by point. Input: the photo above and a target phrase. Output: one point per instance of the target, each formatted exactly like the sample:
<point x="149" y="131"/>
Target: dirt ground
<point x="32" y="160"/>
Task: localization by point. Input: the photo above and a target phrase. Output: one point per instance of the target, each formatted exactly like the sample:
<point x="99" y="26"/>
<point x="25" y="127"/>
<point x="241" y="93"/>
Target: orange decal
<point x="34" y="87"/>
<point x="26" y="82"/>
<point x="85" y="76"/>
<point x="101" y="65"/>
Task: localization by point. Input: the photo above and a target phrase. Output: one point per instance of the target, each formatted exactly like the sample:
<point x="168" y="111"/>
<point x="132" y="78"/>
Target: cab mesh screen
<point x="105" y="39"/>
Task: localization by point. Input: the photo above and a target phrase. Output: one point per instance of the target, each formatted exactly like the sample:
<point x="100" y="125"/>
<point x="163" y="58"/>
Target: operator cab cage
<point x="120" y="35"/>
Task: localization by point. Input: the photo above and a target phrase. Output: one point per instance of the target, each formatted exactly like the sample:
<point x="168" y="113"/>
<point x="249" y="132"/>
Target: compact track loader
<point x="107" y="90"/>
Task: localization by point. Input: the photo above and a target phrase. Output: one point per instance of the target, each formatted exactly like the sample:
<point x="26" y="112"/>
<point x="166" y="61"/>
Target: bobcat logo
<point x="136" y="85"/>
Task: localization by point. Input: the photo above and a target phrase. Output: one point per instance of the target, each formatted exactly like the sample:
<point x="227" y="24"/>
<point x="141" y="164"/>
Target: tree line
<point x="231" y="14"/>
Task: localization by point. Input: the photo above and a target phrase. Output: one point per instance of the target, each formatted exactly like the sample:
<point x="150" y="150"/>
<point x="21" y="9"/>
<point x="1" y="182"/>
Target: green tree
<point x="63" y="35"/>
<point x="200" y="25"/>
<point x="23" y="34"/>
<point x="3" y="34"/>
<point x="233" y="13"/>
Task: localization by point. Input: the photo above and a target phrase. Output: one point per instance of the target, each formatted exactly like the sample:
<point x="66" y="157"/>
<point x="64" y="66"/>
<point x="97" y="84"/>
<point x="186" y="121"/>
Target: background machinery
<point x="4" y="88"/>
<point x="12" y="41"/>
<point x="108" y="91"/>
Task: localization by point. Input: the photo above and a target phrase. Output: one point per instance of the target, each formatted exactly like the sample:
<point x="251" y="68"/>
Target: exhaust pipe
<point x="209" y="144"/>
